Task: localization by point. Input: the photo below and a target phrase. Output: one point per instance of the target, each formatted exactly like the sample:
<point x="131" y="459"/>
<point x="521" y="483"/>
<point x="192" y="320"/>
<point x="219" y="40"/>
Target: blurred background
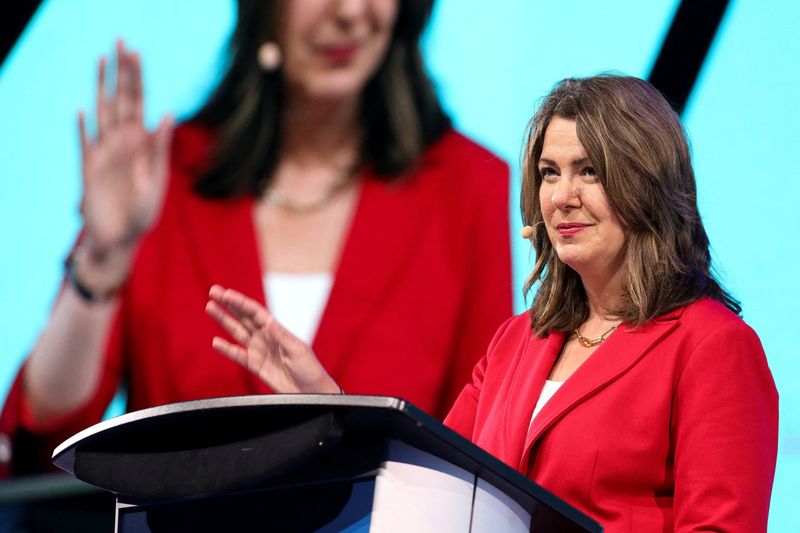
<point x="729" y="66"/>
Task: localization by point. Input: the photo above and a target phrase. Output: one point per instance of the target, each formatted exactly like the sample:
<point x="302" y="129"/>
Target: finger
<point x="121" y="103"/>
<point x="215" y="292"/>
<point x="84" y="137"/>
<point x="217" y="295"/>
<point x="111" y="89"/>
<point x="102" y="99"/>
<point x="248" y="324"/>
<point x="230" y="324"/>
<point x="125" y="100"/>
<point x="160" y="142"/>
<point x="137" y="88"/>
<point x="245" y="307"/>
<point x="162" y="138"/>
<point x="247" y="320"/>
<point x="119" y="58"/>
<point x="237" y="353"/>
<point x="233" y="302"/>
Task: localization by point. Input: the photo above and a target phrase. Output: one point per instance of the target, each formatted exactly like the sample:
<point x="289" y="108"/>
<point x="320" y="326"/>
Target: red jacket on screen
<point x="422" y="283"/>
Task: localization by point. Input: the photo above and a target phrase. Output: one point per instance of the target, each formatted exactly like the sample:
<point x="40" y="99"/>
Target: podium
<point x="305" y="463"/>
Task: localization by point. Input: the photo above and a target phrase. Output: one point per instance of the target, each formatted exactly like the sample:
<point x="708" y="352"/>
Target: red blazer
<point x="423" y="281"/>
<point x="670" y="426"/>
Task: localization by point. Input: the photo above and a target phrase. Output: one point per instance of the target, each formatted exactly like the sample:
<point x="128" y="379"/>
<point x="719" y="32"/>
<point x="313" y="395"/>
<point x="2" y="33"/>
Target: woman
<point x="321" y="172"/>
<point x="631" y="389"/>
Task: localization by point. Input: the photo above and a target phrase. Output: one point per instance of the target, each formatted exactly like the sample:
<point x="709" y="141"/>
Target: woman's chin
<point x="334" y="88"/>
<point x="571" y="255"/>
<point x="576" y="260"/>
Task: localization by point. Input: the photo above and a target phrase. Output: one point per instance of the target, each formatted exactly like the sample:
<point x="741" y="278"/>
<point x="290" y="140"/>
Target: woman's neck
<point x="604" y="296"/>
<point x="320" y="133"/>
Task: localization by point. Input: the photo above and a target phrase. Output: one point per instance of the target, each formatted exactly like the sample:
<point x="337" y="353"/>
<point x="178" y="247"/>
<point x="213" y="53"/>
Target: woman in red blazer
<point x="631" y="389"/>
<point x="323" y="157"/>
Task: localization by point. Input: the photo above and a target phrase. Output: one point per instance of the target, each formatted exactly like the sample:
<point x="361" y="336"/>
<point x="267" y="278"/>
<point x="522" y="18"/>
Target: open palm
<point x="265" y="347"/>
<point x="124" y="165"/>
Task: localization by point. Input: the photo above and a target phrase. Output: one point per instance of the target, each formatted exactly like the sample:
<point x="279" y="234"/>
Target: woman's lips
<point x="340" y="53"/>
<point x="568" y="229"/>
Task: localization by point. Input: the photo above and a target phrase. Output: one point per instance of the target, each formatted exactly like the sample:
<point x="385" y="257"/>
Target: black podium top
<point x="223" y="445"/>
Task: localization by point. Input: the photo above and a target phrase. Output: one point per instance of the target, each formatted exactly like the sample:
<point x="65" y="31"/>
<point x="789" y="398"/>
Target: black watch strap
<point x="86" y="294"/>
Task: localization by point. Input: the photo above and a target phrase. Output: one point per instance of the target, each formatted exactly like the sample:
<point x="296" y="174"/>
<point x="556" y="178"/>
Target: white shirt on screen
<point x="297" y="301"/>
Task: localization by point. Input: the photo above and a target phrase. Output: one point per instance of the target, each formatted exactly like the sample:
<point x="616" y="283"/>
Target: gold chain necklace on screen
<point x="296" y="207"/>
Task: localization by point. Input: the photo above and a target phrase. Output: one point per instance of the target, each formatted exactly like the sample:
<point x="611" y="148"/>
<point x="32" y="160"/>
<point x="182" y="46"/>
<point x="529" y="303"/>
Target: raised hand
<point x="125" y="166"/>
<point x="266" y="348"/>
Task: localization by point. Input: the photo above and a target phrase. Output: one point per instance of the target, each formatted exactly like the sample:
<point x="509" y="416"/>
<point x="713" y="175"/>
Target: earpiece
<point x="269" y="56"/>
<point x="526" y="232"/>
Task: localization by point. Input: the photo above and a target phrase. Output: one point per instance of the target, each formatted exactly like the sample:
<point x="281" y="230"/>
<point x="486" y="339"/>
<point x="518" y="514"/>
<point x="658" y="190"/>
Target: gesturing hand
<point x="125" y="166"/>
<point x="266" y="348"/>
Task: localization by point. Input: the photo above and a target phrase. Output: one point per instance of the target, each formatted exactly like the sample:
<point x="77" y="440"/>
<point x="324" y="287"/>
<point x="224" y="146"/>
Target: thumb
<point x="162" y="140"/>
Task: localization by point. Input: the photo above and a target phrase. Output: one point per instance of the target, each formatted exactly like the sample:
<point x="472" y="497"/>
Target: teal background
<point x="492" y="61"/>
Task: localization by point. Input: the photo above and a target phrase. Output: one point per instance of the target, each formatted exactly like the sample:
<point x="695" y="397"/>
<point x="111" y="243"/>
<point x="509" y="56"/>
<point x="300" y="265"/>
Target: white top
<point x="550" y="388"/>
<point x="297" y="301"/>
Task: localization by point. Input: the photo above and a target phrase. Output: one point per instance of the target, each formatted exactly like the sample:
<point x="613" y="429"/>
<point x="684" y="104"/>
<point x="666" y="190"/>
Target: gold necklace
<point x="591" y="343"/>
<point x="295" y="207"/>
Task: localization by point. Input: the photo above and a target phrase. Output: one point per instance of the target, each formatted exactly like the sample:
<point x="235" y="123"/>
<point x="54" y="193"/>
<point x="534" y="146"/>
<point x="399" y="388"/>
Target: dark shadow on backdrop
<point x="685" y="48"/>
<point x="14" y="16"/>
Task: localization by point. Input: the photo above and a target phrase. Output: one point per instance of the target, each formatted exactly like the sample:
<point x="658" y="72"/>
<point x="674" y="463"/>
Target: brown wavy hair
<point x="400" y="113"/>
<point x="638" y="147"/>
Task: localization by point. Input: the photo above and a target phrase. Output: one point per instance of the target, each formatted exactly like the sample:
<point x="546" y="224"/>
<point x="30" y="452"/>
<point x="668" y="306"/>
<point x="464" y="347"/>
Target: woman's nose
<point x="566" y="194"/>
<point x="351" y="9"/>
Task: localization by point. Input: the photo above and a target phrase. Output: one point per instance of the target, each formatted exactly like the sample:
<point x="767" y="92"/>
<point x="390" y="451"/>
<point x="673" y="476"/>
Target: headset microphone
<point x="526" y="232"/>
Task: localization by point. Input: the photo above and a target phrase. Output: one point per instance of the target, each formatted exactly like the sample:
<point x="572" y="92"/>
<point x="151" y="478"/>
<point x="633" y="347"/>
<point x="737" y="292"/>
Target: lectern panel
<point x="326" y="508"/>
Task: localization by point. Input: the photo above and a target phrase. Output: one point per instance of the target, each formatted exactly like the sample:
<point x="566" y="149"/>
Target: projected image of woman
<point x="321" y="178"/>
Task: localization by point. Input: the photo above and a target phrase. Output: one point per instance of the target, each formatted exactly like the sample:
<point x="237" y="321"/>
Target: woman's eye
<point x="590" y="172"/>
<point x="547" y="172"/>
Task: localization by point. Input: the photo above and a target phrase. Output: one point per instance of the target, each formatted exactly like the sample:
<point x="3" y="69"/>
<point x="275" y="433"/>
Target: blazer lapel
<point x="534" y="366"/>
<point x="614" y="357"/>
<point x="388" y="220"/>
<point x="220" y="234"/>
<point x="221" y="239"/>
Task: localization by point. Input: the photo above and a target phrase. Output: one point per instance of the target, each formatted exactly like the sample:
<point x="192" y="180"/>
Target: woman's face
<point x="331" y="48"/>
<point x="585" y="232"/>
